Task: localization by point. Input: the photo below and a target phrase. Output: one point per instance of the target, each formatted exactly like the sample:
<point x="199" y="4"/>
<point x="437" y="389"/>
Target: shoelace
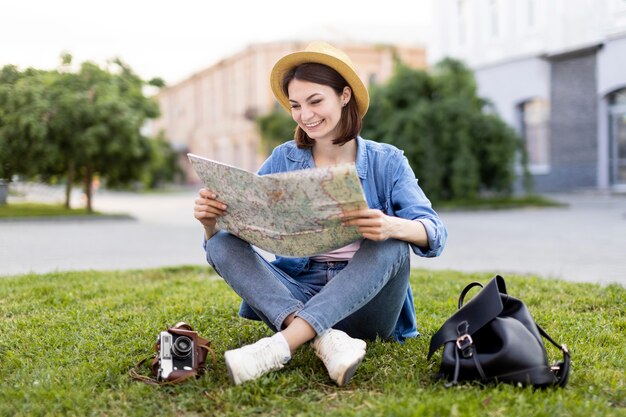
<point x="333" y="343"/>
<point x="265" y="358"/>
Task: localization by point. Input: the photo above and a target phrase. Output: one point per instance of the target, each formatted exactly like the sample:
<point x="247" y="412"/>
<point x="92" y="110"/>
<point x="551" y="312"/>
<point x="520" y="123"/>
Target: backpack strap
<point x="561" y="369"/>
<point x="480" y="310"/>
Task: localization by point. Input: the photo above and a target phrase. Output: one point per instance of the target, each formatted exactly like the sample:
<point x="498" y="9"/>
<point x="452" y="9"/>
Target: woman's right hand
<point x="207" y="209"/>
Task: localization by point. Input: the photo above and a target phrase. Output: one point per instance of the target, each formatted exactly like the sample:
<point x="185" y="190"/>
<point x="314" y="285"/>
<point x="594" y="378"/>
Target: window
<point x="535" y="118"/>
<point x="530" y="13"/>
<point x="617" y="138"/>
<point x="252" y="150"/>
<point x="494" y="16"/>
<point x="462" y="12"/>
<point x="618" y="98"/>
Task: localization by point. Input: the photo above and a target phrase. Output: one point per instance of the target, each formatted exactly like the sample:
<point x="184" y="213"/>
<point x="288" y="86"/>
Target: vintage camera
<point x="180" y="354"/>
<point x="176" y="354"/>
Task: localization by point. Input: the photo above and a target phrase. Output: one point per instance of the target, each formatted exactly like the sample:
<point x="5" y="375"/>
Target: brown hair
<point x="350" y="122"/>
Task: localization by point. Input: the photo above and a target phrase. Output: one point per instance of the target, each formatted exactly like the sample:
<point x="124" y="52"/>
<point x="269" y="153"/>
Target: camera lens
<point x="181" y="348"/>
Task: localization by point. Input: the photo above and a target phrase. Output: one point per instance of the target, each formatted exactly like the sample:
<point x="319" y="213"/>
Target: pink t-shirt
<point x="342" y="254"/>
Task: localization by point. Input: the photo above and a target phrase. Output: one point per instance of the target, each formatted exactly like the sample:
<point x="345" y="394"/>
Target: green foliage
<point x="20" y="210"/>
<point x="275" y="128"/>
<point x="157" y="82"/>
<point x="163" y="166"/>
<point x="24" y="113"/>
<point x="83" y="124"/>
<point x="69" y="340"/>
<point x="456" y="148"/>
<point x="498" y="203"/>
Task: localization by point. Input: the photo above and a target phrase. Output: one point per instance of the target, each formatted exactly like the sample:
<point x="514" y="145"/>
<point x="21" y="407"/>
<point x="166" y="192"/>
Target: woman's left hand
<point x="373" y="224"/>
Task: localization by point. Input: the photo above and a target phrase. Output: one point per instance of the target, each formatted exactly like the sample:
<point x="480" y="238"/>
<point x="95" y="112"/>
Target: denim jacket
<point x="390" y="186"/>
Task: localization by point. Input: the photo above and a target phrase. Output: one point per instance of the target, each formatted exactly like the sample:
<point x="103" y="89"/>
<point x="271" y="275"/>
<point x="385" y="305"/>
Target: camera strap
<point x="134" y="373"/>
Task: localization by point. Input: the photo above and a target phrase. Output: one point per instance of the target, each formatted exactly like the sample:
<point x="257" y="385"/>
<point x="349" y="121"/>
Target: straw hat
<point x="320" y="53"/>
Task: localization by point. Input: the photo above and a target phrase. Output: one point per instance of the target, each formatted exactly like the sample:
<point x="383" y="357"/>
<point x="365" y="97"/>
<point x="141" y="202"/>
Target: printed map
<point x="293" y="213"/>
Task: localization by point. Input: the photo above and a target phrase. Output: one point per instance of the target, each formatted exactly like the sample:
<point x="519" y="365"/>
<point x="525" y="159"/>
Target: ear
<point x="346" y="95"/>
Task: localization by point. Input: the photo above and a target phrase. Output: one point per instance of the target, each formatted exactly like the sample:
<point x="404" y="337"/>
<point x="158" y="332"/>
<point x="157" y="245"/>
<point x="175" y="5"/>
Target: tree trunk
<point x="69" y="183"/>
<point x="88" y="187"/>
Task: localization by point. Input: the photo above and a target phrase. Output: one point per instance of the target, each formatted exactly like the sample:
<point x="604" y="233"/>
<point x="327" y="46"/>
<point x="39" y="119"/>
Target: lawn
<point x="68" y="340"/>
<point x="19" y="210"/>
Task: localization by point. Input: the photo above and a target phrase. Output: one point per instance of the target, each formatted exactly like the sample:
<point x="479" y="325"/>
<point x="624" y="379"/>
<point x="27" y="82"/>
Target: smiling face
<point x="316" y="108"/>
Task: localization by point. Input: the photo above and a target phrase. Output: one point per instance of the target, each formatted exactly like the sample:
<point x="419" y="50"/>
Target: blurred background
<point x="485" y="96"/>
<point x="494" y="102"/>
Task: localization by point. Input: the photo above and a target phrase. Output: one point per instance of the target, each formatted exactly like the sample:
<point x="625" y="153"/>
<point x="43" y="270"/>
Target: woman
<point x="360" y="291"/>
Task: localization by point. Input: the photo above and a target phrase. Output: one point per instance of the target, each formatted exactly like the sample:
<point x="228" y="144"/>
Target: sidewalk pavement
<point x="584" y="242"/>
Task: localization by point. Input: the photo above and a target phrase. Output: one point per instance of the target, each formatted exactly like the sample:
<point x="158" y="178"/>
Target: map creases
<point x="296" y="213"/>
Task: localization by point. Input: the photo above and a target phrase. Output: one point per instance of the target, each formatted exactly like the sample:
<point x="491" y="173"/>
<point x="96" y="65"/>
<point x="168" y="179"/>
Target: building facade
<point x="556" y="72"/>
<point x="212" y="112"/>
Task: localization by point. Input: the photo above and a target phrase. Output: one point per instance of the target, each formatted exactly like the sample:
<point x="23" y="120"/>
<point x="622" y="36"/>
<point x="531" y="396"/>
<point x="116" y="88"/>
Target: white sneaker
<point x="340" y="353"/>
<point x="252" y="361"/>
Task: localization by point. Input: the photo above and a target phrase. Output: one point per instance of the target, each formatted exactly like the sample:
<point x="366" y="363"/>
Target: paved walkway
<point x="585" y="241"/>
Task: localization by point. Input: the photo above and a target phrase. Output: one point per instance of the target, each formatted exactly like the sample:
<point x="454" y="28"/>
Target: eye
<point x="295" y="106"/>
<point x="316" y="101"/>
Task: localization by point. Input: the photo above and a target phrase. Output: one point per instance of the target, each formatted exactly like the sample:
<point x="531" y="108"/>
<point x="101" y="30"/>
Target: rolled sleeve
<point x="437" y="235"/>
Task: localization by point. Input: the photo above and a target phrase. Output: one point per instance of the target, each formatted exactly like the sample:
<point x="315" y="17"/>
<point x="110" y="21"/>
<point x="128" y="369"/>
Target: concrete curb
<point x="59" y="219"/>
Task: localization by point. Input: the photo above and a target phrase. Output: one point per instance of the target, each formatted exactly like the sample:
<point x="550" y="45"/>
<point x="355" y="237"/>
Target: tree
<point x="113" y="110"/>
<point x="458" y="149"/>
<point x="76" y="124"/>
<point x="276" y="127"/>
<point x="163" y="164"/>
<point x="25" y="147"/>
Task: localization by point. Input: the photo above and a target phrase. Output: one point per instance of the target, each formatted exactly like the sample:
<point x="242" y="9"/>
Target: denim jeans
<point x="362" y="297"/>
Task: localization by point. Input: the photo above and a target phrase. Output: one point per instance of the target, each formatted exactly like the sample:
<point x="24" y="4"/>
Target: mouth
<point x="313" y="125"/>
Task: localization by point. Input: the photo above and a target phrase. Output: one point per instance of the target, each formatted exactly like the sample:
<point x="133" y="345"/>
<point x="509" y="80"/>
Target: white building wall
<point x="611" y="66"/>
<point x="483" y="32"/>
<point x="514" y="82"/>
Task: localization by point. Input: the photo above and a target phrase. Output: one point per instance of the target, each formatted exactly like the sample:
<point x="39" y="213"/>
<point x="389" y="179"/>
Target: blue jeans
<point x="362" y="297"/>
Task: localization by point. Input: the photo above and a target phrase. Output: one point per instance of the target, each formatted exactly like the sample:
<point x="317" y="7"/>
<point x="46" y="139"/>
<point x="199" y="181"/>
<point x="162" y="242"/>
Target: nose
<point x="306" y="113"/>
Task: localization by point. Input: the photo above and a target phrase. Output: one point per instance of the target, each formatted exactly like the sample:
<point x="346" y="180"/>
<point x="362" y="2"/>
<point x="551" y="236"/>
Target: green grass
<point x="19" y="210"/>
<point x="68" y="340"/>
